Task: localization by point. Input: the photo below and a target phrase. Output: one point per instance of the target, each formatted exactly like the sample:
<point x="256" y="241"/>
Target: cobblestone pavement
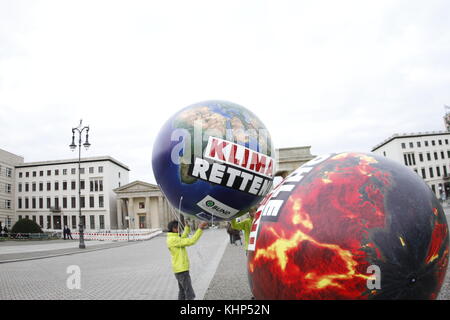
<point x="230" y="280"/>
<point x="137" y="271"/>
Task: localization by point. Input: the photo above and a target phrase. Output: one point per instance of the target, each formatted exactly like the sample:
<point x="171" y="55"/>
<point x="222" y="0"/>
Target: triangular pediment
<point x="137" y="186"/>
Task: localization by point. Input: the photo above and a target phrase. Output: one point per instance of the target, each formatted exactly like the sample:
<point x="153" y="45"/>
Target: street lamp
<point x="73" y="146"/>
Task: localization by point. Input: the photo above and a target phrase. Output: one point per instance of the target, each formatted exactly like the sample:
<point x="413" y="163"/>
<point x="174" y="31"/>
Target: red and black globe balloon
<point x="322" y="231"/>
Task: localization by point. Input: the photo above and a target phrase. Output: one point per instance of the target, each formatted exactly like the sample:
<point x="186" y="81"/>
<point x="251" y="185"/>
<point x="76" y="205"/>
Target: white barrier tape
<point x="136" y="235"/>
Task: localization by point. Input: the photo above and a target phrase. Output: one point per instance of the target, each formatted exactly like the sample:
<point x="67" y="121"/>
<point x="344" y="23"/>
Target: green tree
<point x="26" y="226"/>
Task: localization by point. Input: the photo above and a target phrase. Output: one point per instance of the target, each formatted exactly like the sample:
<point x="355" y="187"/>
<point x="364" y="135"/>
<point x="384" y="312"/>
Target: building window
<point x="20" y="174"/>
<point x="446" y="141"/>
<point x="403" y="145"/>
<point x="33" y="203"/>
<point x="433" y="188"/>
<point x="56" y="185"/>
<point x="82" y="202"/>
<point x="27" y="174"/>
<point x="64" y="172"/>
<point x="433" y="143"/>
<point x="119" y="175"/>
<point x="49" y="222"/>
<point x="424" y="173"/>
<point x="49" y="202"/>
<point x="92" y="222"/>
<point x="101" y="203"/>
<point x="56" y="172"/>
<point x="27" y="203"/>
<point x="27" y="187"/>
<point x="411" y="145"/>
<point x="41" y="221"/>
<point x="49" y="172"/>
<point x="41" y="173"/>
<point x="442" y="155"/>
<point x="431" y="173"/>
<point x="33" y="186"/>
<point x="73" y="185"/>
<point x="82" y="184"/>
<point x="426" y="143"/>
<point x="34" y="173"/>
<point x="418" y="144"/>
<point x="73" y="202"/>
<point x="445" y="170"/>
<point x="420" y="157"/>
<point x="438" y="171"/>
<point x="49" y="186"/>
<point x="9" y="172"/>
<point x="74" y="222"/>
<point x="409" y="159"/>
<point x="91" y="169"/>
<point x="440" y="142"/>
<point x="20" y="186"/>
<point x="64" y="185"/>
<point x="102" y="221"/>
<point x="91" y="201"/>
<point x="73" y="171"/>
<point x="100" y="169"/>
<point x="64" y="202"/>
<point x="8" y="204"/>
<point x="56" y="202"/>
<point x="384" y="153"/>
<point x="20" y="217"/>
<point x="81" y="170"/>
<point x="141" y="205"/>
<point x="41" y="203"/>
<point x="435" y="155"/>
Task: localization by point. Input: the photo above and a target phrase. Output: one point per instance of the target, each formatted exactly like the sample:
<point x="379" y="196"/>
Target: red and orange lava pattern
<point x="316" y="248"/>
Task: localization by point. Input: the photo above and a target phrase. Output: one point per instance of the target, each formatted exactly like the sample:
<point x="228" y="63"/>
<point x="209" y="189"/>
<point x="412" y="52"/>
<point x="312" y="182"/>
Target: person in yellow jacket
<point x="245" y="225"/>
<point x="180" y="262"/>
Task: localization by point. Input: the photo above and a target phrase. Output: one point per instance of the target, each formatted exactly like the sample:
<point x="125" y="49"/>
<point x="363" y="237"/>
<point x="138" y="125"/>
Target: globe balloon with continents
<point x="349" y="226"/>
<point x="214" y="160"/>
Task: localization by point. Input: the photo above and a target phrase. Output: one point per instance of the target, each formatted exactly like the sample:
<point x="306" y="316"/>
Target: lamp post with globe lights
<point x="73" y="146"/>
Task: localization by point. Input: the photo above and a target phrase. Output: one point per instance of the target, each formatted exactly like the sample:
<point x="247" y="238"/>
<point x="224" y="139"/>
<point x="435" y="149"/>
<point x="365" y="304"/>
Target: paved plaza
<point x="130" y="270"/>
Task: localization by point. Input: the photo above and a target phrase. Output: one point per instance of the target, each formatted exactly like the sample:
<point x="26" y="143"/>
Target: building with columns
<point x="144" y="204"/>
<point x="289" y="159"/>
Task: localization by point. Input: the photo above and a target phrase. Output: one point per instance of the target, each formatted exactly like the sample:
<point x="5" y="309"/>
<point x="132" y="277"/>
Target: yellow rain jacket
<point x="244" y="225"/>
<point x="177" y="246"/>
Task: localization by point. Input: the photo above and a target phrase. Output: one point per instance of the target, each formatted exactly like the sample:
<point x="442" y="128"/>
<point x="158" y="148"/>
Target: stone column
<point x="148" y="219"/>
<point x="160" y="210"/>
<point x="119" y="214"/>
<point x="131" y="211"/>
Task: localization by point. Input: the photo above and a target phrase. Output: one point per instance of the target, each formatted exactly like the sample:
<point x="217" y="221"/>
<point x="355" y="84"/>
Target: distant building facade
<point x="289" y="159"/>
<point x="8" y="161"/>
<point x="426" y="153"/>
<point x="47" y="192"/>
<point x="144" y="205"/>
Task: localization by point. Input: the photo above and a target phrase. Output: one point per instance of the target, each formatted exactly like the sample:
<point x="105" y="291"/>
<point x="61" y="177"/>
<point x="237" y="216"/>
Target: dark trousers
<point x="185" y="286"/>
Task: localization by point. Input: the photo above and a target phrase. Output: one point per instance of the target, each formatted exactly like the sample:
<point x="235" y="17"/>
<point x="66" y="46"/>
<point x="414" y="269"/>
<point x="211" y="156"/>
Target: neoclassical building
<point x="144" y="204"/>
<point x="289" y="159"/>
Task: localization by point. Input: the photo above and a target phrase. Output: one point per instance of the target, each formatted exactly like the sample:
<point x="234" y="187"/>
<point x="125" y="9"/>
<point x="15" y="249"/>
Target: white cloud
<point x="336" y="75"/>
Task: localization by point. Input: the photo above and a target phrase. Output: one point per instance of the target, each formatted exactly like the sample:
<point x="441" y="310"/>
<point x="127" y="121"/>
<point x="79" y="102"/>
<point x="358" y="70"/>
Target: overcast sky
<point x="335" y="75"/>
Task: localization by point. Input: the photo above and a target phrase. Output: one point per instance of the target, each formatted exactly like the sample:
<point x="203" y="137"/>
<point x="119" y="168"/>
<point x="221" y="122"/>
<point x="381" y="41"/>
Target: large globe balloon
<point x="349" y="226"/>
<point x="214" y="160"/>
